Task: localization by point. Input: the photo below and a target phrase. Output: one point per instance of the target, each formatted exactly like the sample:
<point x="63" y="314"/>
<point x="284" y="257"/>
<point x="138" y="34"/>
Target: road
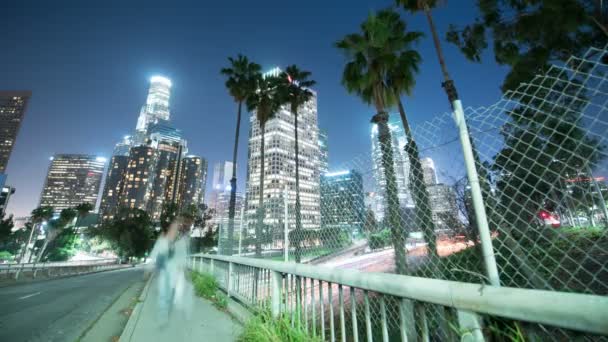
<point x="60" y="309"/>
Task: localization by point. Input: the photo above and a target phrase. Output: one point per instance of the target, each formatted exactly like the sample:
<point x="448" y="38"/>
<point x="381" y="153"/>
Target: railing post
<point x="229" y="278"/>
<point x="276" y="284"/>
<point x="211" y="266"/>
<point x="470" y="326"/>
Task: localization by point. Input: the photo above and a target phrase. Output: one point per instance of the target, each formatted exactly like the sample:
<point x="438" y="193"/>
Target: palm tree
<point x="241" y="84"/>
<point x="38" y="216"/>
<point x="265" y="101"/>
<point x="371" y="55"/>
<point x="296" y="92"/>
<point x="55" y="227"/>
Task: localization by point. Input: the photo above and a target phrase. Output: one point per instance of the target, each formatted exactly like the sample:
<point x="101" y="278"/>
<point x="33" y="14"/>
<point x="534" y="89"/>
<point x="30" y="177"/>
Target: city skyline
<point x="99" y="113"/>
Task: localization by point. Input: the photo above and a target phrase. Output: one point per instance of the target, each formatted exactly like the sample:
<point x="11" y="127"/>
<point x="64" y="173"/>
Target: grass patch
<point x="264" y="328"/>
<point x="205" y="286"/>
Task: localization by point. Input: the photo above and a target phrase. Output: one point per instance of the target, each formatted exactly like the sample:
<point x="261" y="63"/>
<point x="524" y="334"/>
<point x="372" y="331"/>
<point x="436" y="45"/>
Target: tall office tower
<point x="72" y="179"/>
<point x="6" y="191"/>
<point x="115" y="181"/>
<point x="193" y="176"/>
<point x="122" y="148"/>
<point x="323" y="152"/>
<point x="280" y="169"/>
<point x="342" y="200"/>
<point x="443" y="205"/>
<point x="428" y="171"/>
<point x="166" y="174"/>
<point x="220" y="217"/>
<point x="139" y="177"/>
<point x="222" y="173"/>
<point x="12" y="109"/>
<point x="401" y="166"/>
<point x="157" y="103"/>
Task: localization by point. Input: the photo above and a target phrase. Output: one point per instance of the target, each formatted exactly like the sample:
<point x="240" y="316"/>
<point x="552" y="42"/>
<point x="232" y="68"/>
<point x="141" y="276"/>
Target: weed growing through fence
<point x="206" y="286"/>
<point x="262" y="327"/>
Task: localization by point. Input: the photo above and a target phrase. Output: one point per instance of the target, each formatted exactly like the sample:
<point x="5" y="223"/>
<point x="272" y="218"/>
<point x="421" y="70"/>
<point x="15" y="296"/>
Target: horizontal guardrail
<point x="582" y="312"/>
<point x="55" y="269"/>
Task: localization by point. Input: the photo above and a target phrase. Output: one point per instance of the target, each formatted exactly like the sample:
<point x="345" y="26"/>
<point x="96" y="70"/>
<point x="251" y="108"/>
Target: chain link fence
<point x="407" y="207"/>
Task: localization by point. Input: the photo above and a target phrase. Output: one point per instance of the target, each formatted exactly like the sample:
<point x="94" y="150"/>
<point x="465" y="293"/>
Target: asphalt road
<point x="60" y="309"/>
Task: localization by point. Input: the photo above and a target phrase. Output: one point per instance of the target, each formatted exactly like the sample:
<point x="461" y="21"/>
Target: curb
<point x="127" y="333"/>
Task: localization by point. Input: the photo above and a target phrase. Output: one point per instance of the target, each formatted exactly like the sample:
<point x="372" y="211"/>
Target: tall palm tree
<point x="38" y="216"/>
<point x="296" y="92"/>
<point x="55" y="227"/>
<point x="241" y="84"/>
<point x="370" y="56"/>
<point x="265" y="101"/>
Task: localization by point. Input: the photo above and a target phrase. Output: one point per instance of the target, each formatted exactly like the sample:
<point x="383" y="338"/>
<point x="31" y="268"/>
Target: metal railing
<point x="308" y="294"/>
<point x="56" y="269"/>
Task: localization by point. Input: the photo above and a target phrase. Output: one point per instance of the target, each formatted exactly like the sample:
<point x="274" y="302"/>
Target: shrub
<point x="205" y="285"/>
<point x="5" y="255"/>
<point x="264" y="328"/>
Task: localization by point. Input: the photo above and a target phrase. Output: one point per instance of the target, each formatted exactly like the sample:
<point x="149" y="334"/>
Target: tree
<point x="168" y="215"/>
<point x="530" y="35"/>
<point x="370" y="56"/>
<point x="55" y="227"/>
<point x="371" y="224"/>
<point x="82" y="210"/>
<point x="38" y="216"/>
<point x="241" y="84"/>
<point x="265" y="101"/>
<point x="130" y="233"/>
<point x="295" y="89"/>
<point x="6" y="226"/>
<point x="63" y="246"/>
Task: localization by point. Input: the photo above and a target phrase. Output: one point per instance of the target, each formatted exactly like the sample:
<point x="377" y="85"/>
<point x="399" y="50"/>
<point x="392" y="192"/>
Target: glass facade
<point x="72" y="179"/>
<point x="323" y="152"/>
<point x="342" y="200"/>
<point x="157" y="103"/>
<point x="12" y="109"/>
<point x="115" y="181"/>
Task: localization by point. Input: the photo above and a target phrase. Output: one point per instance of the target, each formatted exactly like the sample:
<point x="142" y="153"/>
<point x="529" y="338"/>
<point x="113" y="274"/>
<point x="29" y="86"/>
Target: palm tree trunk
<point x="29" y="240"/>
<point x="232" y="205"/>
<point x="298" y="234"/>
<point x="46" y="243"/>
<point x="437" y="42"/>
<point x="260" y="224"/>
<point x="392" y="200"/>
<point x="424" y="214"/>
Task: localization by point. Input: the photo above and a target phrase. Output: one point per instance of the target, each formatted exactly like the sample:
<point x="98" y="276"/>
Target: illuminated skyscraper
<point x="401" y="165"/>
<point x="139" y="177"/>
<point x="157" y="103"/>
<point x="12" y="109"/>
<point x="122" y="148"/>
<point x="280" y="168"/>
<point x="323" y="152"/>
<point x="222" y="173"/>
<point x="342" y="200"/>
<point x="428" y="171"/>
<point x="72" y="179"/>
<point x="166" y="175"/>
<point x="192" y="180"/>
<point x="115" y="181"/>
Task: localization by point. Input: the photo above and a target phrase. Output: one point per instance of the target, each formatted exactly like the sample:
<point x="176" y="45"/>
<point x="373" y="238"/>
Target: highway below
<point x="60" y="309"/>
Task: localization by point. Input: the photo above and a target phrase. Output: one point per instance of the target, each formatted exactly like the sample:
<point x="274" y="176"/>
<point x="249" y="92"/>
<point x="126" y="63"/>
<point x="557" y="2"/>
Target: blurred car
<point x="548" y="219"/>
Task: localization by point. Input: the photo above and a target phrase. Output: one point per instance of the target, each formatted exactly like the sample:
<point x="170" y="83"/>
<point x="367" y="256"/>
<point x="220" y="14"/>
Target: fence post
<point x="480" y="211"/>
<point x="229" y="278"/>
<point x="211" y="266"/>
<point x="276" y="285"/>
<point x="470" y="326"/>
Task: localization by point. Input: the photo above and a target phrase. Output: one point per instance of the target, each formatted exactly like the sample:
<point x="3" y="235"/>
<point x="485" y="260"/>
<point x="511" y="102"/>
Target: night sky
<point x="88" y="69"/>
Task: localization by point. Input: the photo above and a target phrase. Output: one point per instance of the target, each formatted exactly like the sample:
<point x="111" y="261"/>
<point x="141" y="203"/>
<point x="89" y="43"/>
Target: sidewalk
<point x="205" y="323"/>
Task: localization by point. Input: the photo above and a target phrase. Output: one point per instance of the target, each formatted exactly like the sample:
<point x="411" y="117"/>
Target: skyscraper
<point x="122" y="148"/>
<point x="166" y="175"/>
<point x="443" y="204"/>
<point x="323" y="152"/>
<point x="115" y="181"/>
<point x="342" y="200"/>
<point x="193" y="177"/>
<point x="222" y="173"/>
<point x="157" y="103"/>
<point x="428" y="171"/>
<point x="72" y="179"/>
<point x="12" y="109"/>
<point x="139" y="177"/>
<point x="401" y="166"/>
<point x="280" y="168"/>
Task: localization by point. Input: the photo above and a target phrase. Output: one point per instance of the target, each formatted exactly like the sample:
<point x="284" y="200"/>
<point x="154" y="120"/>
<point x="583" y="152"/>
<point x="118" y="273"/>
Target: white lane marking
<point x="30" y="295"/>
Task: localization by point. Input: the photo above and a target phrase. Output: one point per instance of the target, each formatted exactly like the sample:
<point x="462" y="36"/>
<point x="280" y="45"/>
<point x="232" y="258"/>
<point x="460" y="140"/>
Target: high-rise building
<point x="222" y="173"/>
<point x="6" y="191"/>
<point x="428" y="171"/>
<point x="323" y="152"/>
<point x="139" y="177"/>
<point x="401" y="166"/>
<point x="115" y="181"/>
<point x="157" y="103"/>
<point x="12" y="109"/>
<point x="443" y="204"/>
<point x="220" y="217"/>
<point x="342" y="200"/>
<point x="122" y="148"/>
<point x="72" y="179"/>
<point x="280" y="168"/>
<point x="166" y="175"/>
<point x="193" y="177"/>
